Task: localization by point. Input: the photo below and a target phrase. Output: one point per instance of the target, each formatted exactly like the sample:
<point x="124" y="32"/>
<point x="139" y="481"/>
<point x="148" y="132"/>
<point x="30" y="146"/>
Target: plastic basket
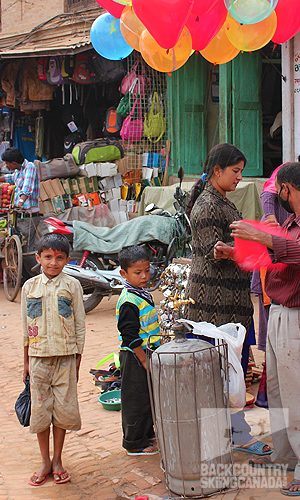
<point x="110" y="395"/>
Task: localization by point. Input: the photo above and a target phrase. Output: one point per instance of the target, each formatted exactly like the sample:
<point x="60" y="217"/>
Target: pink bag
<point x="130" y="78"/>
<point x="132" y="130"/>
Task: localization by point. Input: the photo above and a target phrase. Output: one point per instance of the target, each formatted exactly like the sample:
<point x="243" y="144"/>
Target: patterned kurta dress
<point x="220" y="289"/>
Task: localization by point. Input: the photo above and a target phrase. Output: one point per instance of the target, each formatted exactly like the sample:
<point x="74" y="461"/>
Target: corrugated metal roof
<point x="63" y="34"/>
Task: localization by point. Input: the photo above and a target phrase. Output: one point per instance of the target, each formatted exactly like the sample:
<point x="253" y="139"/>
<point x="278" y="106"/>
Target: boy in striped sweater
<point x="137" y="320"/>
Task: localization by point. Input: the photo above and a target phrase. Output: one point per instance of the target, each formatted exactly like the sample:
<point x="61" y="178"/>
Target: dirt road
<point x="99" y="467"/>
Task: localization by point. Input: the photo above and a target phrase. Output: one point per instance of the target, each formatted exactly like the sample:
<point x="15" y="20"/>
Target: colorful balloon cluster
<point x="166" y="32"/>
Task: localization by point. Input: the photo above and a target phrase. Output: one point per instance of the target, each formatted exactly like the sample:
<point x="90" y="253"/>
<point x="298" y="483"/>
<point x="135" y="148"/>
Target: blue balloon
<point x="107" y="39"/>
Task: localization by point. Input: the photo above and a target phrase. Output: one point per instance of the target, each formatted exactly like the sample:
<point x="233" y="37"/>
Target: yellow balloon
<point x="220" y="50"/>
<point x="131" y="27"/>
<point x="248" y="37"/>
<point x="165" y="60"/>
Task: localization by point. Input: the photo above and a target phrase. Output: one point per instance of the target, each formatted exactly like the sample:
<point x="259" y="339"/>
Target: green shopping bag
<point x="155" y="122"/>
<point x="124" y="106"/>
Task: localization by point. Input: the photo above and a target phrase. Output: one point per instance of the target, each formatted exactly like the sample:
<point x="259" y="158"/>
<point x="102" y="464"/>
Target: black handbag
<point x="23" y="405"/>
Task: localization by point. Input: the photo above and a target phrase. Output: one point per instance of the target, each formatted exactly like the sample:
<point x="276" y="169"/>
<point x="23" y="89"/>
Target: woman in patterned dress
<point x="221" y="291"/>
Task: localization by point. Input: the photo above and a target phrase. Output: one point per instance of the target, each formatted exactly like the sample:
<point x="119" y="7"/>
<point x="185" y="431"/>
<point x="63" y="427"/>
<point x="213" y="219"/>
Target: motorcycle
<point x="99" y="273"/>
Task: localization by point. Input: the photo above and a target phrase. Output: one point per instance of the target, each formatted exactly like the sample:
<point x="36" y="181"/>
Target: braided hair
<point x="224" y="155"/>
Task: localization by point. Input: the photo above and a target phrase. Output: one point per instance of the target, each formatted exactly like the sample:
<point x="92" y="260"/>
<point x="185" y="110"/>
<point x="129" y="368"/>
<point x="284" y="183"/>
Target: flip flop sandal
<point x="268" y="465"/>
<point x="38" y="483"/>
<point x="289" y="493"/>
<point x="61" y="480"/>
<point x="142" y="452"/>
<point x="256" y="449"/>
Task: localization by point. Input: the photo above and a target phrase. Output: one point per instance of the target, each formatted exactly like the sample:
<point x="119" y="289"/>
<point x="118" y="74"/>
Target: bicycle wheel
<point x="12" y="273"/>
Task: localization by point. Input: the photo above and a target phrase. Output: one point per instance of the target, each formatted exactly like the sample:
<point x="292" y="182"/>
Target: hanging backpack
<point x="82" y="72"/>
<point x="67" y="68"/>
<point x="54" y="70"/>
<point x="42" y="67"/>
<point x="132" y="130"/>
<point x="113" y="123"/>
<point x="107" y="71"/>
<point x="155" y="122"/>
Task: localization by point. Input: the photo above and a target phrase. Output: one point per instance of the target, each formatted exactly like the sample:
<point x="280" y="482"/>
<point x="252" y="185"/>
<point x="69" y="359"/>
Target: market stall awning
<point x="63" y="34"/>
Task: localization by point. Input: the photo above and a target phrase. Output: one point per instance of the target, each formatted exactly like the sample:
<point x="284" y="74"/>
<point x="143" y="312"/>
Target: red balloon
<point x="201" y="7"/>
<point x="114" y="8"/>
<point x="164" y="19"/>
<point x="250" y="256"/>
<point x="288" y="20"/>
<point x="204" y="28"/>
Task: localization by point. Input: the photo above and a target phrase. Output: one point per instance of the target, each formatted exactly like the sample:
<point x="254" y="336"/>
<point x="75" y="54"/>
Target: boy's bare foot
<point x="60" y="475"/>
<point x="41" y="475"/>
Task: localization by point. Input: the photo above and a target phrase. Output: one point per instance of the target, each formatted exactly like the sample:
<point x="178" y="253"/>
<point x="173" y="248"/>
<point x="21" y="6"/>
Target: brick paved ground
<point x="99" y="467"/>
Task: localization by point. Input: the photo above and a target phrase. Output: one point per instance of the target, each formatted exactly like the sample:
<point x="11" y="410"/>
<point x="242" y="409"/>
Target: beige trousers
<point x="283" y="383"/>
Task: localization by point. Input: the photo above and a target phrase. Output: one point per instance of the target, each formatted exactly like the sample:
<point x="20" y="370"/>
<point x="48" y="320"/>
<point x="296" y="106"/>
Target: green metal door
<point x="240" y="108"/>
<point x="187" y="90"/>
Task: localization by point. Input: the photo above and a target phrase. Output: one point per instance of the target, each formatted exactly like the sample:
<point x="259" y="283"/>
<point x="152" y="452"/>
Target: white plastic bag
<point x="234" y="335"/>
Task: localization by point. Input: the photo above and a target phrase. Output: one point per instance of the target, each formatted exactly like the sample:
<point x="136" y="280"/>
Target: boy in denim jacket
<point x="53" y="337"/>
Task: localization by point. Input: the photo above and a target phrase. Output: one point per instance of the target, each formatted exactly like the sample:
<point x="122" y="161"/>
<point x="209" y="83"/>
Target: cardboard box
<point x="129" y="162"/>
<point x="92" y="184"/>
<point x="93" y="198"/>
<point x="46" y="207"/>
<point x="58" y="204"/>
<point x="49" y="189"/>
<point x="66" y="184"/>
<point x="67" y="200"/>
<point x="74" y="186"/>
<point x="43" y="194"/>
<point x="118" y="180"/>
<point x="107" y="183"/>
<point x="116" y="193"/>
<point x="133" y="176"/>
<point x="132" y="215"/>
<point x="114" y="205"/>
<point x="106" y="169"/>
<point x="57" y="187"/>
<point x="82" y="200"/>
<point x="90" y="169"/>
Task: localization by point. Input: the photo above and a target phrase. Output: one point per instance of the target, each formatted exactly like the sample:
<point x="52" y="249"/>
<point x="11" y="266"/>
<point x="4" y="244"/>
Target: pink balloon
<point x="164" y="19"/>
<point x="204" y="28"/>
<point x="288" y="20"/>
<point x="250" y="256"/>
<point x="114" y="8"/>
<point x="201" y="7"/>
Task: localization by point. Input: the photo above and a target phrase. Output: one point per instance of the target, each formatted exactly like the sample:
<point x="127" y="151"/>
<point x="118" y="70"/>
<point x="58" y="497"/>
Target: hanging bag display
<point x="132" y="130"/>
<point x="124" y="106"/>
<point x="130" y="78"/>
<point x="155" y="122"/>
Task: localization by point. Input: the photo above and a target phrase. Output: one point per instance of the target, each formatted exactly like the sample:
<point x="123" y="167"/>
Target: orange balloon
<point x="131" y="27"/>
<point x="220" y="50"/>
<point x="165" y="60"/>
<point x="248" y="37"/>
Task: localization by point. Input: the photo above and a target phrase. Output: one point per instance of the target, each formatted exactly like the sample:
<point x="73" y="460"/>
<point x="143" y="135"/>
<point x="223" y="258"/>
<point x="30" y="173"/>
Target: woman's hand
<point x="222" y="251"/>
